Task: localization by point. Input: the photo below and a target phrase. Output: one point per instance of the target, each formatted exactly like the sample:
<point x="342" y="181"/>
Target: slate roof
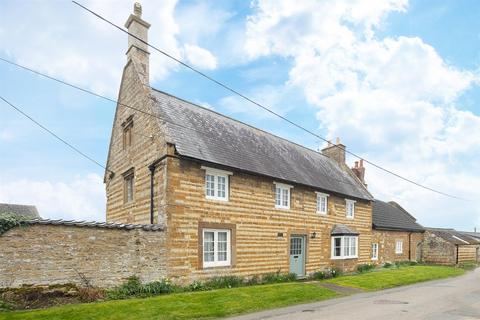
<point x="203" y="134"/>
<point x="454" y="237"/>
<point x="472" y="234"/>
<point x="19" y="210"/>
<point x="343" y="230"/>
<point x="92" y="224"/>
<point x="391" y="216"/>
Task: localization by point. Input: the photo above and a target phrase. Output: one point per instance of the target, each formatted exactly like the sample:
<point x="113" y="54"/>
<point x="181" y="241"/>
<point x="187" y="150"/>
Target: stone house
<point x="450" y="247"/>
<point x="396" y="234"/>
<point x="234" y="199"/>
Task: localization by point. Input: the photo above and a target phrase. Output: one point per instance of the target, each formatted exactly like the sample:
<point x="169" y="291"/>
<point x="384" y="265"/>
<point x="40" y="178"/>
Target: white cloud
<point x="82" y="198"/>
<point x="65" y="41"/>
<point x="393" y="99"/>
<point x="200" y="57"/>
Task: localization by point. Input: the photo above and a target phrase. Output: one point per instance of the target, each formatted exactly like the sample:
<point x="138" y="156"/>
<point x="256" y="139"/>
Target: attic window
<point x="127" y="132"/>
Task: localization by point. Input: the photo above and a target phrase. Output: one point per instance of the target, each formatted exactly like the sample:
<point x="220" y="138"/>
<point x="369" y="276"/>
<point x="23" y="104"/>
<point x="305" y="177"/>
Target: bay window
<point x="344" y="247"/>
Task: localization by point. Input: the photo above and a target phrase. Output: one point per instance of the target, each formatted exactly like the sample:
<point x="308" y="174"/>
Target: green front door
<point x="297" y="255"/>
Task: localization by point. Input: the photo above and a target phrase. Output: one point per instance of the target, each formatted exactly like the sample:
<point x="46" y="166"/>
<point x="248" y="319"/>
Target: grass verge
<point x="207" y="304"/>
<point x="389" y="278"/>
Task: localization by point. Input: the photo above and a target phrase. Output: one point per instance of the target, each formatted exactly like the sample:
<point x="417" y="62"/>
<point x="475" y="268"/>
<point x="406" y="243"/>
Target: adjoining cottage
<point x="396" y="234"/>
<point x="450" y="247"/>
<point x="19" y="210"/>
<point x="234" y="199"/>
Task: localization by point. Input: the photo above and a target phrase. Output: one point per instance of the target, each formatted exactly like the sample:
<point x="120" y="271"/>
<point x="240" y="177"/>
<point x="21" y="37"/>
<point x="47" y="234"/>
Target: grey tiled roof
<point x="343" y="230"/>
<point x="19" y="210"/>
<point x="471" y="234"/>
<point x="454" y="236"/>
<point x="92" y="224"/>
<point x="391" y="216"/>
<point x="206" y="135"/>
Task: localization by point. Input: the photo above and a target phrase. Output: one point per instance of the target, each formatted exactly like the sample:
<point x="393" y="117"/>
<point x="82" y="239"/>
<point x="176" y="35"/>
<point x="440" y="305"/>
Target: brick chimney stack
<point x="335" y="152"/>
<point x="359" y="171"/>
<point x="137" y="50"/>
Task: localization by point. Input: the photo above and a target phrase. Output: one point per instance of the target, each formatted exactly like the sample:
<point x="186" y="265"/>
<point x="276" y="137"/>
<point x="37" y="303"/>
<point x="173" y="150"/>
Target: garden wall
<point x="52" y="252"/>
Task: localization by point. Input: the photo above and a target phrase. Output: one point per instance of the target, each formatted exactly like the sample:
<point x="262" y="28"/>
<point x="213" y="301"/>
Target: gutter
<point x="456" y="258"/>
<point x="410" y="246"/>
<point x="152" y="168"/>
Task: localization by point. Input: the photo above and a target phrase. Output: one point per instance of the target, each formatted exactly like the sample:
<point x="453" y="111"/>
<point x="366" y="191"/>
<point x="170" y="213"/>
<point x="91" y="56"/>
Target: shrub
<point x="224" y="282"/>
<point x="252" y="280"/>
<point x="90" y="294"/>
<point x="361" y="268"/>
<point x="468" y="265"/>
<point x="4" y="306"/>
<point x="387" y="265"/>
<point x="133" y="287"/>
<point x="196" y="286"/>
<point x="278" y="277"/>
<point x="9" y="221"/>
<point x="318" y="275"/>
<point x="405" y="263"/>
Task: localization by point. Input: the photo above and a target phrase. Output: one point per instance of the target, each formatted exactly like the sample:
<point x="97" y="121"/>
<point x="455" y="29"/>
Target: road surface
<point x="453" y="298"/>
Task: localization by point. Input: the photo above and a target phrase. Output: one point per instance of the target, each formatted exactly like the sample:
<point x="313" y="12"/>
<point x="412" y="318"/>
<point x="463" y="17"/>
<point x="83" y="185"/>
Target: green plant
<point x="9" y="221"/>
<point x="361" y="268"/>
<point x="133" y="287"/>
<point x="278" y="277"/>
<point x="90" y="294"/>
<point x="318" y="275"/>
<point x="224" y="282"/>
<point x="387" y="265"/>
<point x="468" y="265"/>
<point x="4" y="306"/>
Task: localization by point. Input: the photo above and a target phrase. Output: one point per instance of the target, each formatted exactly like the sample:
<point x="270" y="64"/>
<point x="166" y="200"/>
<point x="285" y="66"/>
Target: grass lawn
<point x="206" y="304"/>
<point x="389" y="278"/>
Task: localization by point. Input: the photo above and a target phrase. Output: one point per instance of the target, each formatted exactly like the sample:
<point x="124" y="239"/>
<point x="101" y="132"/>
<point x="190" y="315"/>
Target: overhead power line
<point x="228" y="88"/>
<point x="68" y="144"/>
<point x="130" y="107"/>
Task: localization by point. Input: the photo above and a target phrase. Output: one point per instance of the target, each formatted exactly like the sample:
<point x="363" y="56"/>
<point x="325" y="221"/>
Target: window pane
<point x="285" y="196"/>
<point x="210" y="185"/>
<point x="337" y="252"/>
<point x="208" y="246"/>
<point x="353" y="246"/>
<point x="221" y="193"/>
<point x="278" y="201"/>
<point x="129" y="186"/>
<point x="222" y="246"/>
<point x="346" y="246"/>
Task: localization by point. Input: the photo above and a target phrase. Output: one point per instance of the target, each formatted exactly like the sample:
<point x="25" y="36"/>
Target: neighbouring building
<point x="21" y="210"/>
<point x="450" y="247"/>
<point x="234" y="199"/>
<point x="396" y="234"/>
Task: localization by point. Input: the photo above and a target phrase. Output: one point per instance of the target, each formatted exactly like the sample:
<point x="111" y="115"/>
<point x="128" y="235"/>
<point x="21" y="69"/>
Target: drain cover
<point x="389" y="302"/>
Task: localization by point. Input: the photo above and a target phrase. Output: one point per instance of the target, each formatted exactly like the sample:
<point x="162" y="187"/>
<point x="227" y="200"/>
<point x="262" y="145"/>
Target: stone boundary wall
<point x="45" y="254"/>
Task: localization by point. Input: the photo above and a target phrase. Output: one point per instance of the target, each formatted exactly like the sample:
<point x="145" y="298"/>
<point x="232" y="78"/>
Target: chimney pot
<point x="137" y="9"/>
<point x="356" y="164"/>
<point x="338" y="140"/>
<point x="361" y="163"/>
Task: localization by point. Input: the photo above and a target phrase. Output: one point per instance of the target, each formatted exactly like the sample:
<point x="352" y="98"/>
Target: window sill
<point x="322" y="213"/>
<point x="282" y="208"/>
<point x="217" y="266"/>
<point x="216" y="199"/>
<point x="344" y="258"/>
<point x="350" y="218"/>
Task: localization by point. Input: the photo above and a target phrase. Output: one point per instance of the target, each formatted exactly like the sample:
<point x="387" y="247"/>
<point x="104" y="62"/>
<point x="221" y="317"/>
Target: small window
<point x="216" y="184"/>
<point x="322" y="203"/>
<point x="128" y="186"/>
<point x="127" y="133"/>
<point x="399" y="247"/>
<point x="350" y="208"/>
<point x="282" y="196"/>
<point x="216" y="248"/>
<point x="344" y="247"/>
<point x="374" y="251"/>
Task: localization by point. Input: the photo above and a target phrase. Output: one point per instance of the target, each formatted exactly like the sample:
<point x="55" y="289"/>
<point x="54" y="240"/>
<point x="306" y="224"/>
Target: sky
<point x="396" y="80"/>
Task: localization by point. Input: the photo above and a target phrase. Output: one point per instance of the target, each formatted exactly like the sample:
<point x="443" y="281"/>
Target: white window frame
<point x="215" y="262"/>
<point x="374" y="251"/>
<point x="283" y="188"/>
<point x="349" y="202"/>
<point x="320" y="196"/>
<point x="217" y="173"/>
<point x="399" y="247"/>
<point x="344" y="254"/>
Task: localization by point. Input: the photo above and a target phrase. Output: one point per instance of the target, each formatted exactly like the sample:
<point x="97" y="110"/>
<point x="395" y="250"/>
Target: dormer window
<point x="216" y="183"/>
<point x="350" y="208"/>
<point x="127" y="132"/>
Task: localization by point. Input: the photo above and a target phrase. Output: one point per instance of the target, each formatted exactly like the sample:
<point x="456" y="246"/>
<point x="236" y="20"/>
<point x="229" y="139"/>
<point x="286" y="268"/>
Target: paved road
<point x="454" y="298"/>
